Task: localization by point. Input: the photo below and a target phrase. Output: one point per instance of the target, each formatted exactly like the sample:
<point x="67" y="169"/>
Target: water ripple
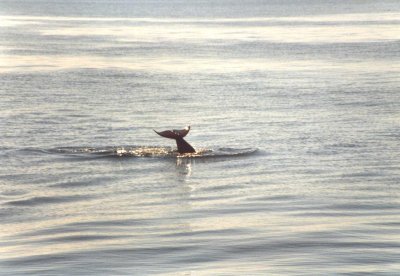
<point x="42" y="200"/>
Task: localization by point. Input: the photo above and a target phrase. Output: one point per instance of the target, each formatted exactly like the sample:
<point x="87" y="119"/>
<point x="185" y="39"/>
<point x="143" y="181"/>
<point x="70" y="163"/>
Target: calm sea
<point x="296" y="103"/>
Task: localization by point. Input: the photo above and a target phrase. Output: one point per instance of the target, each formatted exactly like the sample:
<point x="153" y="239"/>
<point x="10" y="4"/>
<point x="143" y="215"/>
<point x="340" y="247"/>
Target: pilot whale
<point x="183" y="146"/>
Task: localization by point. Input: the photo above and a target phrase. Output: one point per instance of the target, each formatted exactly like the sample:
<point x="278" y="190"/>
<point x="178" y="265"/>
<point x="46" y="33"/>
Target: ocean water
<point x="294" y="108"/>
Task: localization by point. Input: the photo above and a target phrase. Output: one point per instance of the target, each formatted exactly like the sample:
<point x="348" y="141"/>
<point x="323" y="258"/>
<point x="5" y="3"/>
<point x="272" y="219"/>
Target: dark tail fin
<point x="183" y="146"/>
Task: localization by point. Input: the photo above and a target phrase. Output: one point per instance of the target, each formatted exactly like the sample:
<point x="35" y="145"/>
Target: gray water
<point x="296" y="104"/>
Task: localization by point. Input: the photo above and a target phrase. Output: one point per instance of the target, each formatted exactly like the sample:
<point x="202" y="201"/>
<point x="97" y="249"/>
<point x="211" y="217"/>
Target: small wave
<point x="147" y="151"/>
<point x="122" y="151"/>
<point x="34" y="201"/>
<point x="221" y="152"/>
<point x="345" y="145"/>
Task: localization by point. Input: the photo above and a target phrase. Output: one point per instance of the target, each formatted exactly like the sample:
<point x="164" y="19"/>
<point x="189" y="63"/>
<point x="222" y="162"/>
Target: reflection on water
<point x="295" y="110"/>
<point x="103" y="43"/>
<point x="184" y="166"/>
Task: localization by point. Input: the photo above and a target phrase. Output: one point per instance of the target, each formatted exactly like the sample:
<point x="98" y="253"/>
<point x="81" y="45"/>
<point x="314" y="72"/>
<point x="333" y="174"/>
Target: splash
<point x="147" y="151"/>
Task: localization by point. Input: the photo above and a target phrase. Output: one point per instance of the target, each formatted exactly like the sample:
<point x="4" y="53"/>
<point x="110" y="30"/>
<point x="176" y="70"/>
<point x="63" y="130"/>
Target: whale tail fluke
<point x="183" y="146"/>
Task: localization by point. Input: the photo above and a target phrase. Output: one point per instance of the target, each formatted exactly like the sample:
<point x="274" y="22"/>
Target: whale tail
<point x="183" y="146"/>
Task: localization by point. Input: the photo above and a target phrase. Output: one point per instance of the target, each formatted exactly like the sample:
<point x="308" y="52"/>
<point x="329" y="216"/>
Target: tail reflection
<point x="185" y="166"/>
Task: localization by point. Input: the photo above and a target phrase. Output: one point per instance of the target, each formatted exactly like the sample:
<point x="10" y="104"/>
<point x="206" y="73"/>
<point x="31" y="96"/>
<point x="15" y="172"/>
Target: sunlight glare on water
<point x="294" y="109"/>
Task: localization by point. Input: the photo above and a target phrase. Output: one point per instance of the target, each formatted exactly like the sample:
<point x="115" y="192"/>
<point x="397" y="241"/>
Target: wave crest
<point x="147" y="151"/>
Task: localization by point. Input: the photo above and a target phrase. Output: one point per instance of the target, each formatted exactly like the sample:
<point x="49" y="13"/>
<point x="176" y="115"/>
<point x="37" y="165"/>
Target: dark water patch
<point x="392" y="134"/>
<point x="365" y="207"/>
<point x="323" y="152"/>
<point x="44" y="200"/>
<point x="388" y="224"/>
<point x="2" y="148"/>
<point x="37" y="260"/>
<point x="373" y="257"/>
<point x="81" y="238"/>
<point x="337" y="214"/>
<point x="78" y="227"/>
<point x="346" y="145"/>
<point x="296" y="208"/>
<point x="346" y="209"/>
<point x="31" y="151"/>
<point x="95" y="181"/>
<point x="366" y="174"/>
<point x="131" y="255"/>
<point x="12" y="193"/>
<point x="279" y="248"/>
<point x="157" y="251"/>
<point x="272" y="198"/>
<point x="209" y="198"/>
<point x="282" y="246"/>
<point x="208" y="233"/>
<point x="79" y="115"/>
<point x="233" y="210"/>
<point x="112" y="223"/>
<point x="9" y="213"/>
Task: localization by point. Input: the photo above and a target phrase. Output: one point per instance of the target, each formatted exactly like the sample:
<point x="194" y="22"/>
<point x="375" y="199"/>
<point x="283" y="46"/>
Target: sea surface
<point x="294" y="107"/>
